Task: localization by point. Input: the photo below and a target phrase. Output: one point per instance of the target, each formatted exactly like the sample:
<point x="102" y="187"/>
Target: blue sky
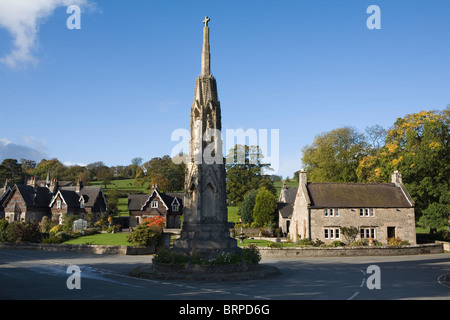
<point x="117" y="88"/>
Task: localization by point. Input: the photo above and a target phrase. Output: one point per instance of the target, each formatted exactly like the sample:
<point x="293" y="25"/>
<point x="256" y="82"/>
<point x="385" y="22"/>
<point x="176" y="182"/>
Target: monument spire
<point x="205" y="225"/>
<point x="206" y="56"/>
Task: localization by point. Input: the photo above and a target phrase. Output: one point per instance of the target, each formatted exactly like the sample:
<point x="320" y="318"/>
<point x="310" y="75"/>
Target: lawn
<point x="112" y="239"/>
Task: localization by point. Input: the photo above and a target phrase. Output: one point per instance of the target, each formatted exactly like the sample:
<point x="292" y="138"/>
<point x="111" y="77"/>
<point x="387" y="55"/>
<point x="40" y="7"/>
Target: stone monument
<point x="205" y="228"/>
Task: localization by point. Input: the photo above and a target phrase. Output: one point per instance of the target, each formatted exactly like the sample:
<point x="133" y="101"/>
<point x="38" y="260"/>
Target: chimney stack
<point x="396" y="178"/>
<point x="53" y="185"/>
<point x="79" y="185"/>
<point x="302" y="178"/>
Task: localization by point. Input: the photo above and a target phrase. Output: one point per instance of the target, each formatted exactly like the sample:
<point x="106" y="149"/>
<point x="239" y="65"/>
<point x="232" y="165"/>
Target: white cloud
<point x="9" y="150"/>
<point x="22" y="19"/>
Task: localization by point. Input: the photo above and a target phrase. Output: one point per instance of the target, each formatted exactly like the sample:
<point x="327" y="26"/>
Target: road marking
<point x="353" y="296"/>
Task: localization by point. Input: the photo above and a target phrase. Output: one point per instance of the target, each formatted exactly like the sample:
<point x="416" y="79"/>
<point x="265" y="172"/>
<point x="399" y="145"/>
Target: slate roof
<point x="34" y="197"/>
<point x="136" y="201"/>
<point x="348" y="195"/>
<point x="89" y="194"/>
<point x="358" y="195"/>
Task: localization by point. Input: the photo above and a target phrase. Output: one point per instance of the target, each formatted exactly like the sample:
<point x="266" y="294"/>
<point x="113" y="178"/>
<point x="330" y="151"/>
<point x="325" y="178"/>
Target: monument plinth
<point x="205" y="227"/>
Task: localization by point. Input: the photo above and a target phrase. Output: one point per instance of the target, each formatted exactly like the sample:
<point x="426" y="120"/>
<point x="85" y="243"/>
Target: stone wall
<point x="351" y="251"/>
<point x="80" y="248"/>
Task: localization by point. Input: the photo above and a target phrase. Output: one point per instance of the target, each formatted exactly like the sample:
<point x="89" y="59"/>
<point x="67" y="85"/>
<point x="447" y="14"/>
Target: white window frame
<point x="332" y="233"/>
<point x="154" y="204"/>
<point x="175" y="207"/>
<point x="331" y="212"/>
<point x="368" y="233"/>
<point x="58" y="204"/>
<point x="366" y="212"/>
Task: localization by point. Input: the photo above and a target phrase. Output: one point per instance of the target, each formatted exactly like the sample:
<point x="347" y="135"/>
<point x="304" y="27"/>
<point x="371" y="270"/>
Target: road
<point x="43" y="275"/>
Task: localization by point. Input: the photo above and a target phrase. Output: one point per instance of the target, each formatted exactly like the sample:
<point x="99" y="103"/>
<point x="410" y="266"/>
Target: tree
<point x="12" y="170"/>
<point x="377" y="136"/>
<point x="334" y="156"/>
<point x="246" y="208"/>
<point x="264" y="209"/>
<point x="54" y="166"/>
<point x="245" y="171"/>
<point x="418" y="146"/>
<point x="161" y="171"/>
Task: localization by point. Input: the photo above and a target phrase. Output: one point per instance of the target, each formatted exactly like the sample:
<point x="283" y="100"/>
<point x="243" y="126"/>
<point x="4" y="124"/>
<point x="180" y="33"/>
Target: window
<point x="367" y="233"/>
<point x="174" y="207"/>
<point x="58" y="204"/>
<point x="154" y="204"/>
<point x="331" y="233"/>
<point x="366" y="212"/>
<point x="331" y="212"/>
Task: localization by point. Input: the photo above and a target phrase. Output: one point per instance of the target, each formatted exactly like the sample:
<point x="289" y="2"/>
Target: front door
<point x="391" y="232"/>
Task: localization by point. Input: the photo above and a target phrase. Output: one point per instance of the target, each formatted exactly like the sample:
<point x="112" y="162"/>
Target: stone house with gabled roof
<point x="27" y="202"/>
<point x="167" y="205"/>
<point x="78" y="200"/>
<point x="319" y="210"/>
<point x="33" y="202"/>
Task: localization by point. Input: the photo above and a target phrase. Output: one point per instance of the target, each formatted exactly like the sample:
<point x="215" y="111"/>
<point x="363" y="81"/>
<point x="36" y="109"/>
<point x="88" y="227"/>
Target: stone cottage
<point x="77" y="200"/>
<point x="319" y="210"/>
<point x="32" y="202"/>
<point x="167" y="205"/>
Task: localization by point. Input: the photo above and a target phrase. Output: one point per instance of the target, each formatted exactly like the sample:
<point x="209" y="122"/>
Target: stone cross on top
<point x="206" y="21"/>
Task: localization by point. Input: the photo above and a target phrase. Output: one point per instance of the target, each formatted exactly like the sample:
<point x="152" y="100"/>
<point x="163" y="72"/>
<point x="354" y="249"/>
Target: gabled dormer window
<point x="154" y="204"/>
<point x="175" y="207"/>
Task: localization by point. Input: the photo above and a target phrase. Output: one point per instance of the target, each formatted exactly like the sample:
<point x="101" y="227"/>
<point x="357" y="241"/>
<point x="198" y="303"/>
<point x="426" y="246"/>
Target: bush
<point x="360" y="243"/>
<point x="274" y="245"/>
<point x="337" y="243"/>
<point x="251" y="254"/>
<point x="3" y="225"/>
<point x="305" y="242"/>
<point x="226" y="258"/>
<point x="170" y="257"/>
<point x="157" y="221"/>
<point x="114" y="228"/>
<point x="397" y="242"/>
<point x="144" y="235"/>
<point x="56" y="229"/>
<point x="22" y="232"/>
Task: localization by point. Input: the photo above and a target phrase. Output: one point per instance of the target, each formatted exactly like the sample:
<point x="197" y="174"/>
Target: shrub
<point x="22" y="232"/>
<point x="226" y="258"/>
<point x="396" y="242"/>
<point x="337" y="243"/>
<point x="360" y="243"/>
<point x="170" y="257"/>
<point x="3" y="225"/>
<point x="157" y="221"/>
<point x="274" y="245"/>
<point x="114" y="228"/>
<point x="251" y="254"/>
<point x="305" y="242"/>
<point x="144" y="235"/>
<point x="56" y="229"/>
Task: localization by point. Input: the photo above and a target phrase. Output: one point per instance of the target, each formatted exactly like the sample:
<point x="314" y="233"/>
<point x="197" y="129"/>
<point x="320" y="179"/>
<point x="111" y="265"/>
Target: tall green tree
<point x="334" y="156"/>
<point x="265" y="208"/>
<point x="418" y="146"/>
<point x="12" y="170"/>
<point x="161" y="171"/>
<point x="246" y="207"/>
<point x="245" y="171"/>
